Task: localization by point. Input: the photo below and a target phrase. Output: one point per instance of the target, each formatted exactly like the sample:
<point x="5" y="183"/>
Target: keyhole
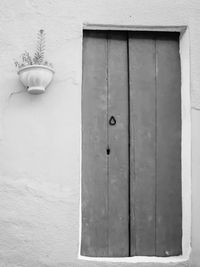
<point x="108" y="150"/>
<point x="112" y="121"/>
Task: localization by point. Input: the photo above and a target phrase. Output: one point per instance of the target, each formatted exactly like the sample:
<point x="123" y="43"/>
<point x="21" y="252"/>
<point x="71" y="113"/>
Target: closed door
<point x="131" y="144"/>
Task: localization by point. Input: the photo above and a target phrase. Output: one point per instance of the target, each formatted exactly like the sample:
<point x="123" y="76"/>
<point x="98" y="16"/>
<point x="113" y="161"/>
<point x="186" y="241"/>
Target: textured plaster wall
<point x="40" y="135"/>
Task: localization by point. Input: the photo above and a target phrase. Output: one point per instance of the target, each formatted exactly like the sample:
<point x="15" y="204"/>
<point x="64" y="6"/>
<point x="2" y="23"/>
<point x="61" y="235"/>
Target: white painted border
<point x="185" y="152"/>
<point x="88" y="26"/>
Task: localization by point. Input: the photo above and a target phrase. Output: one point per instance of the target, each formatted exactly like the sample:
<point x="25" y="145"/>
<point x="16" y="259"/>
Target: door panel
<point x="142" y="142"/>
<point x="118" y="175"/>
<point x="105" y="171"/>
<point x="168" y="177"/>
<point x="131" y="171"/>
<point x="94" y="134"/>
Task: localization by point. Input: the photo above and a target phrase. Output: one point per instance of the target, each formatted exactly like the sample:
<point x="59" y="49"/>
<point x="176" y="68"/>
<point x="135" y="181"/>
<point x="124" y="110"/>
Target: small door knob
<point x="112" y="121"/>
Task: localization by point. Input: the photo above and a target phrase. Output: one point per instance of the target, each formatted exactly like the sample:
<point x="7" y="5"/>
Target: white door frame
<point x="186" y="143"/>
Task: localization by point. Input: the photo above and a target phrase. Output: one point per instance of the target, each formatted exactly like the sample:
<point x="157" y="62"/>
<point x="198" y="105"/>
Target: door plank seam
<point x="107" y="132"/>
<point x="129" y="143"/>
<point x="156" y="69"/>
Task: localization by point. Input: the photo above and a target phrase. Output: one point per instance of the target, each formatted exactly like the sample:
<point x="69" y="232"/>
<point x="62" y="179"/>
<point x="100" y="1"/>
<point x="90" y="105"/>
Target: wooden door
<point x="105" y="170"/>
<point x="155" y="144"/>
<point x="131" y="144"/>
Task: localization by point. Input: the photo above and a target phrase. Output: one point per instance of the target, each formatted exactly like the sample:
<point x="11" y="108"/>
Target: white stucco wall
<point x="40" y="135"/>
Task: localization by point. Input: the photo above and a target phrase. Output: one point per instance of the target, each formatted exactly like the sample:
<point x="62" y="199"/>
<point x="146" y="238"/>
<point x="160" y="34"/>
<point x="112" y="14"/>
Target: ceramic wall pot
<point x="36" y="78"/>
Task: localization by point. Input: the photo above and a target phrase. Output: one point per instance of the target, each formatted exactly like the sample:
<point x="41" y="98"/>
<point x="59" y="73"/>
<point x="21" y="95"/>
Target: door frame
<point x="184" y="42"/>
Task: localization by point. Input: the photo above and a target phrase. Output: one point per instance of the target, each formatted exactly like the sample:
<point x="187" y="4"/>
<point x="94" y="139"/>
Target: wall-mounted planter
<point x="36" y="78"/>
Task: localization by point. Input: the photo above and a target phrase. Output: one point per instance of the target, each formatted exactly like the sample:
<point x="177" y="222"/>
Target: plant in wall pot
<point x="35" y="72"/>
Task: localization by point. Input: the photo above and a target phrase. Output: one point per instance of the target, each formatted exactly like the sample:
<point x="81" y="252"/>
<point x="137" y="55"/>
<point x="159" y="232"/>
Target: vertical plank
<point x="94" y="141"/>
<point x="142" y="142"/>
<point x="168" y="204"/>
<point x="118" y="142"/>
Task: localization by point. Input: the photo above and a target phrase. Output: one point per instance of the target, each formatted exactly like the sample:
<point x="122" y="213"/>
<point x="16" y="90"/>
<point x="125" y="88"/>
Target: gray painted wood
<point x="118" y="143"/>
<point x="168" y="204"/>
<point x="106" y="178"/>
<point x="142" y="142"/>
<point x="94" y="141"/>
<point x="131" y="198"/>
